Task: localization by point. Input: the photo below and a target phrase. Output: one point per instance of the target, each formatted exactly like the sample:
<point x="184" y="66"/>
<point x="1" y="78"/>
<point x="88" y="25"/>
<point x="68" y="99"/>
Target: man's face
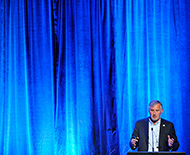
<point x="155" y="112"/>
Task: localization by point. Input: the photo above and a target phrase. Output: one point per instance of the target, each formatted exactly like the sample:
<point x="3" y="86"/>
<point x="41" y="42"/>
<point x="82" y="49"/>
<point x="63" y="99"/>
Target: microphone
<point x="152" y="140"/>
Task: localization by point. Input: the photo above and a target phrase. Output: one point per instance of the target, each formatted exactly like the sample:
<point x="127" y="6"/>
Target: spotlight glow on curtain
<point x="76" y="75"/>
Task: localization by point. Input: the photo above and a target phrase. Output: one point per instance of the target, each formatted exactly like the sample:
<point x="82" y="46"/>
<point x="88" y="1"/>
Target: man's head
<point x="155" y="110"/>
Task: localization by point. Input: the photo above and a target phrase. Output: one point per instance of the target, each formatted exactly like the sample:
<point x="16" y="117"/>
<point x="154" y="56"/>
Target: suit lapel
<point x="162" y="127"/>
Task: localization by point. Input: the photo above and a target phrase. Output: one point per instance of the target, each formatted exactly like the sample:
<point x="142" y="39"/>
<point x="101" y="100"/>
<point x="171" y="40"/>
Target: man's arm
<point x="135" y="138"/>
<point x="173" y="143"/>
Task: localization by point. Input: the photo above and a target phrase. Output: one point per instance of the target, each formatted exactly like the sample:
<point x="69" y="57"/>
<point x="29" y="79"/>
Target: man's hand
<point x="170" y="141"/>
<point x="134" y="141"/>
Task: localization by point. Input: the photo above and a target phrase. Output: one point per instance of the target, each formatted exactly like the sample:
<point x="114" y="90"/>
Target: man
<point x="154" y="134"/>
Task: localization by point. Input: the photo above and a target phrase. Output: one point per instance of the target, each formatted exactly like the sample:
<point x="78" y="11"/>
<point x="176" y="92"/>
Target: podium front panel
<point x="155" y="153"/>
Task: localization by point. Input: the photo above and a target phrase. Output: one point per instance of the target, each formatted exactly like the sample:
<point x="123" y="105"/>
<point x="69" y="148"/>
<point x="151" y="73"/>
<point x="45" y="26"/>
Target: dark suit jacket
<point x="166" y="128"/>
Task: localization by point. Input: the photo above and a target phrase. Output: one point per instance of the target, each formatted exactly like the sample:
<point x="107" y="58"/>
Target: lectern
<point x="155" y="153"/>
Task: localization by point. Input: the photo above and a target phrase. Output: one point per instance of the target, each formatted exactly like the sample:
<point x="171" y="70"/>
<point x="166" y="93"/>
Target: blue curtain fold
<point x="27" y="79"/>
<point x="75" y="76"/>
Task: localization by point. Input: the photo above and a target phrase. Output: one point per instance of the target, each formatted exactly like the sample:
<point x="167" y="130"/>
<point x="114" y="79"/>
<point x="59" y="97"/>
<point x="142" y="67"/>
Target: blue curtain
<point x="75" y="76"/>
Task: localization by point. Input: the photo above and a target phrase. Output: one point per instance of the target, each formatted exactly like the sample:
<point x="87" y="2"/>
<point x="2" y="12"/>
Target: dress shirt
<point x="155" y="133"/>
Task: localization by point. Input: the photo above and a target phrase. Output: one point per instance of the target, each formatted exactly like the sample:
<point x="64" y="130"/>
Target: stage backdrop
<point x="75" y="76"/>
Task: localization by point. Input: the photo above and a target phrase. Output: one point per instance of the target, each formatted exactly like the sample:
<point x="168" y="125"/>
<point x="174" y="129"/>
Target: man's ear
<point x="161" y="111"/>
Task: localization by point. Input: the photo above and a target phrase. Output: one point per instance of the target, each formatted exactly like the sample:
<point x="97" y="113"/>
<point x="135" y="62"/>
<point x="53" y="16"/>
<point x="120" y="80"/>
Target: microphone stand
<point x="152" y="140"/>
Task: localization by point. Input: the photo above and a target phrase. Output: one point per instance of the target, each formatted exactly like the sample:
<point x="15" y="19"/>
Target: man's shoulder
<point x="165" y="121"/>
<point x="144" y="120"/>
